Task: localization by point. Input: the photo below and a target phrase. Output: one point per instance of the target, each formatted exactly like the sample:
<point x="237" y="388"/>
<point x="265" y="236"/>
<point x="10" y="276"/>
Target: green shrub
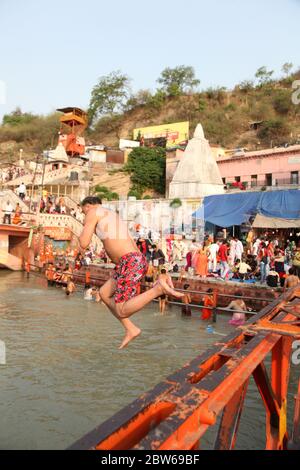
<point x="135" y="192"/>
<point x="275" y="130"/>
<point x="176" y="203"/>
<point x="230" y="107"/>
<point x="104" y="193"/>
<point x="201" y="105"/>
<point x="282" y="102"/>
<point x="147" y="168"/>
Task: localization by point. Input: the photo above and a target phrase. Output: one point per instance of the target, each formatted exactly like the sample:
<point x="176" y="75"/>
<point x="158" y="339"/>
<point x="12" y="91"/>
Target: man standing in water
<point x="119" y="293"/>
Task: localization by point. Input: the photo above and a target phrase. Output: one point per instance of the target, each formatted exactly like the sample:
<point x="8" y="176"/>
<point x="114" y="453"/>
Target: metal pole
<point x="45" y="155"/>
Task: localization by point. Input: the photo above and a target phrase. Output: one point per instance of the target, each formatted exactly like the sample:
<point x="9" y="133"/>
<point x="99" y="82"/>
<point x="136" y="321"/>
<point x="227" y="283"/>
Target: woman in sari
<point x="201" y="263"/>
<point x="17" y="217"/>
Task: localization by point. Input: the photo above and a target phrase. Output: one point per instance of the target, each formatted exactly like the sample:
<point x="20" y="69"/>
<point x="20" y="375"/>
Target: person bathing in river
<point x="70" y="287"/>
<point x="119" y="292"/>
<point x="163" y="299"/>
<point x="238" y="318"/>
<point x="186" y="310"/>
<point x="208" y="301"/>
<point x="291" y="280"/>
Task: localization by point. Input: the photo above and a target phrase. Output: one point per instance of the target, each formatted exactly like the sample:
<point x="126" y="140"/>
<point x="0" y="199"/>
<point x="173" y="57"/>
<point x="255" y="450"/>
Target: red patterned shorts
<point x="128" y="274"/>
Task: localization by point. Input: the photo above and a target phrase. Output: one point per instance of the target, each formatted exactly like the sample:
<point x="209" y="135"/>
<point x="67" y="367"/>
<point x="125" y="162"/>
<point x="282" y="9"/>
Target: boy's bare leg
<point x="122" y="311"/>
<point x="131" y="331"/>
<point x="126" y="309"/>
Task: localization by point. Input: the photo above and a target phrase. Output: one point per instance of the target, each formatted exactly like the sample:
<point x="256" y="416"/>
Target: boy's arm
<point x="170" y="282"/>
<point x="88" y="230"/>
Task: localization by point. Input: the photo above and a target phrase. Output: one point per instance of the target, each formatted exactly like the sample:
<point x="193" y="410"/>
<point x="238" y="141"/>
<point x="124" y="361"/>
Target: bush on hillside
<point x="282" y="102"/>
<point x="147" y="168"/>
<point x="274" y="131"/>
<point x="104" y="193"/>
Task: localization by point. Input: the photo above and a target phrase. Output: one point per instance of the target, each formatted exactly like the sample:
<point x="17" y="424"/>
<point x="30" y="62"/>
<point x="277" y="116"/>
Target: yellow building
<point x="174" y="133"/>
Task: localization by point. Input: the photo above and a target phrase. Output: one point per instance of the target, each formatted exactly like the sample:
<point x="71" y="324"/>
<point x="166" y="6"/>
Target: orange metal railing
<point x="178" y="412"/>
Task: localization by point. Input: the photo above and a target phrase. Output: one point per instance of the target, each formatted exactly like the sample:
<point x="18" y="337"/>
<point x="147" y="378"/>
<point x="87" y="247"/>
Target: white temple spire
<point x="197" y="174"/>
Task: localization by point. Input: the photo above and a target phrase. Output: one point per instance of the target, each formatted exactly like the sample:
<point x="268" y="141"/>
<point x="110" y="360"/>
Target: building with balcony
<point x="271" y="168"/>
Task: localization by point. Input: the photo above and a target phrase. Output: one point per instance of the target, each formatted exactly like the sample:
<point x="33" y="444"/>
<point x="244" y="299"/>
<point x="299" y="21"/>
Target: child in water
<point x="163" y="299"/>
<point x="186" y="300"/>
<point x="238" y="318"/>
<point x="70" y="287"/>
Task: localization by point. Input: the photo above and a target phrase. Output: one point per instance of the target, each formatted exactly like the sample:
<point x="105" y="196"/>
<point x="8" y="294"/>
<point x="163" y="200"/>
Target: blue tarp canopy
<point x="234" y="209"/>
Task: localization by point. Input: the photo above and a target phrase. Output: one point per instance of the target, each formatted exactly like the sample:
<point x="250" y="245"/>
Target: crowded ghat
<point x="149" y="241"/>
<point x="205" y="267"/>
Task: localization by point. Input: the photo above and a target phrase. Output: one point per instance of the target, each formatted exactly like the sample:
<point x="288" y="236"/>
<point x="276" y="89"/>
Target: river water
<point x="64" y="374"/>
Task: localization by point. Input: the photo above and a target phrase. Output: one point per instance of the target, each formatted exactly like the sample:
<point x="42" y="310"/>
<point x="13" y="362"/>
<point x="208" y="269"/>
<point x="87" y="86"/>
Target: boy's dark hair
<point x="239" y="294"/>
<point x="186" y="286"/>
<point x="92" y="200"/>
<point x="163" y="271"/>
<point x="291" y="272"/>
<point x="210" y="291"/>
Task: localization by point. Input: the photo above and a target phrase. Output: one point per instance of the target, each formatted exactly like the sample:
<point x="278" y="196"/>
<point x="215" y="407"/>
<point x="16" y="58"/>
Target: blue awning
<point x="234" y="209"/>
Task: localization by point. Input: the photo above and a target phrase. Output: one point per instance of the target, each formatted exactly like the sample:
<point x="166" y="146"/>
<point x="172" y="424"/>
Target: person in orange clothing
<point x="201" y="263"/>
<point x="17" y="217"/>
<point x="208" y="301"/>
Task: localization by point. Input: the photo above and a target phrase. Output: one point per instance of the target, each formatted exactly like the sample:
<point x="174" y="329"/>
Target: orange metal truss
<point x="177" y="413"/>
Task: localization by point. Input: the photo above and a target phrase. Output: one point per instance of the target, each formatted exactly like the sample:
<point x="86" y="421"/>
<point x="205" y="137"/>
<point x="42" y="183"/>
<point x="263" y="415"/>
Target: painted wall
<point x="4" y="241"/>
<point x="279" y="165"/>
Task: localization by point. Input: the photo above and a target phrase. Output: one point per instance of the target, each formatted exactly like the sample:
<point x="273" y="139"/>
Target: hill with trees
<point x="226" y="115"/>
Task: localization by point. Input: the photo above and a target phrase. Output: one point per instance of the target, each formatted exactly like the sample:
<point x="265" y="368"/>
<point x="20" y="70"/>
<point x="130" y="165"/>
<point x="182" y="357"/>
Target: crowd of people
<point x="263" y="260"/>
<point x="10" y="173"/>
<point x="260" y="260"/>
<point x="51" y="204"/>
<point x="61" y="274"/>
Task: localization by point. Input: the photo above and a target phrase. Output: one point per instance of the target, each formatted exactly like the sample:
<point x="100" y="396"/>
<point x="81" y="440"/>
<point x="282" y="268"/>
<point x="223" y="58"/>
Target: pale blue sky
<point x="52" y="52"/>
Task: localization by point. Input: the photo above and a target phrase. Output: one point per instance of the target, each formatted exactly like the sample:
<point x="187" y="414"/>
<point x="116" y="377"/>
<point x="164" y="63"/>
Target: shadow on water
<point x="64" y="374"/>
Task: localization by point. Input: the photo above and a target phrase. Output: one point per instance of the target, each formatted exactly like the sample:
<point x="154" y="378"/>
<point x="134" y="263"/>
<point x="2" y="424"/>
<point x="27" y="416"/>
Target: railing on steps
<point x="13" y="198"/>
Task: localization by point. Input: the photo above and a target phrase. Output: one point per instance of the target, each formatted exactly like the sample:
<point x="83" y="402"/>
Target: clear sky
<point x="52" y="52"/>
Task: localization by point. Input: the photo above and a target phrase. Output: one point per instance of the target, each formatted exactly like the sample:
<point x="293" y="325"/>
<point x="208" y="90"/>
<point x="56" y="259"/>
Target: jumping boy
<point x="119" y="292"/>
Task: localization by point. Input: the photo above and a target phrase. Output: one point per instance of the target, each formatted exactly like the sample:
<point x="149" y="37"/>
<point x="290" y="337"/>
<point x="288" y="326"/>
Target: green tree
<point x="287" y="68"/>
<point x="109" y="95"/>
<point x="157" y="100"/>
<point x="178" y="80"/>
<point x="135" y="192"/>
<point x="147" y="169"/>
<point x="16" y="118"/>
<point x="264" y="76"/>
<point x="246" y="86"/>
<point x="141" y="98"/>
<point x="104" y="193"/>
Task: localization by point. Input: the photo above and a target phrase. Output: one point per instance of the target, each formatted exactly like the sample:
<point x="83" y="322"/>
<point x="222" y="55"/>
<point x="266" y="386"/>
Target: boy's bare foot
<point x="166" y="289"/>
<point x="130" y="335"/>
